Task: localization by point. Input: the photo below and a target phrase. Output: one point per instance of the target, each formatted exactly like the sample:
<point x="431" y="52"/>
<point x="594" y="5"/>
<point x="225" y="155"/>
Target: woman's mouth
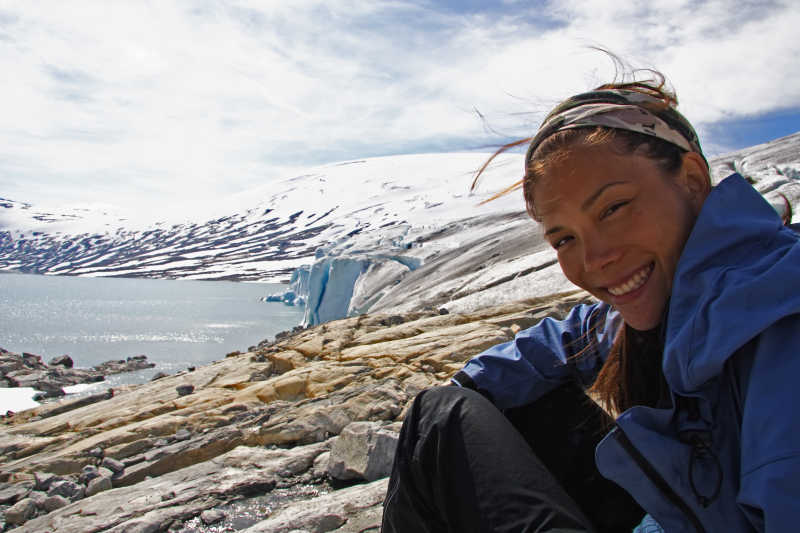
<point x="638" y="279"/>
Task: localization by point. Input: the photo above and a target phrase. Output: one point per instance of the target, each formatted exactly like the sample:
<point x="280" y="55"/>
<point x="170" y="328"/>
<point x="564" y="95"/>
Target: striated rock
<point x="154" y="504"/>
<point x="11" y="494"/>
<point x="69" y="405"/>
<point x="257" y="425"/>
<point x="326" y="513"/>
<point x="364" y="450"/>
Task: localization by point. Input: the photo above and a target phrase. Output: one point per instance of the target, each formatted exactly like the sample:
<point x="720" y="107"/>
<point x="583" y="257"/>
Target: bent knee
<point x="449" y="401"/>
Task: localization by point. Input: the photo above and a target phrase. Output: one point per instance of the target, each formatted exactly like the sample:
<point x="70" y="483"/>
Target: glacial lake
<point x="176" y="324"/>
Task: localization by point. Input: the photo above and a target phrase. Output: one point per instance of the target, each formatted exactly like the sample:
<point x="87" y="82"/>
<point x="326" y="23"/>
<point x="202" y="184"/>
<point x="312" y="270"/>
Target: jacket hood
<point x="738" y="274"/>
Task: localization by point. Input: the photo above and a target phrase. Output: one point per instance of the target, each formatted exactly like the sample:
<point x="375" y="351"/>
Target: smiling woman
<point x="693" y="344"/>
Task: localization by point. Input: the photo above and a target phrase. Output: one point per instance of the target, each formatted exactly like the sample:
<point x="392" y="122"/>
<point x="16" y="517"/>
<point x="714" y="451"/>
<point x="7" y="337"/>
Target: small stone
<point x="160" y="443"/>
<point x="191" y="369"/>
<point x="98" y="484"/>
<point x="183" y="434"/>
<point x="88" y="473"/>
<point x="159" y="375"/>
<point x="21" y="512"/>
<point x="212" y="516"/>
<point x="97" y="452"/>
<point x="183" y="390"/>
<point x="54" y="502"/>
<point x="68" y="489"/>
<point x="62" y="360"/>
<point x="113" y="465"/>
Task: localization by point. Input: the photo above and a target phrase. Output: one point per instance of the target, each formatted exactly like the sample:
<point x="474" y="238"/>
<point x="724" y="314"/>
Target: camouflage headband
<point x="619" y="109"/>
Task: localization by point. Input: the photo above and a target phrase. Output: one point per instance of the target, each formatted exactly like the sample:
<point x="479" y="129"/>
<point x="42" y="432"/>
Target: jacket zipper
<point x="657" y="480"/>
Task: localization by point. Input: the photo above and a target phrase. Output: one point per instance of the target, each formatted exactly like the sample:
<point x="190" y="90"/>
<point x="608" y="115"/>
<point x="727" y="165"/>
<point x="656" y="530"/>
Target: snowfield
<point x="384" y="234"/>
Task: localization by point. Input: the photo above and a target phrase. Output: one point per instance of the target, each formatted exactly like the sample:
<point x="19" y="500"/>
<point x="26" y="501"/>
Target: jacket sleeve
<point x="541" y="358"/>
<point x="770" y="476"/>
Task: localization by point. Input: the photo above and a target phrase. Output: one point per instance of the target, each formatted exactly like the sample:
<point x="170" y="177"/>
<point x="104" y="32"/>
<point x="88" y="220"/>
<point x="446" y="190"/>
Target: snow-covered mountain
<point x="391" y="233"/>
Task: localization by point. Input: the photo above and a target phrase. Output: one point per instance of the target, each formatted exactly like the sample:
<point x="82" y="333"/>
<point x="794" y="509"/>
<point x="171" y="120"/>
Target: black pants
<point x="463" y="466"/>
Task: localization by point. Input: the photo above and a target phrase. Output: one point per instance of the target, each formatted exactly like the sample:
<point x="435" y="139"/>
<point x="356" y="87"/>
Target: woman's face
<point x="619" y="224"/>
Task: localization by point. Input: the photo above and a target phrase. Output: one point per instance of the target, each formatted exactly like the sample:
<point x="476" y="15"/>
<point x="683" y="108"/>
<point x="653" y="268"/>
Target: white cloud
<point x="175" y="104"/>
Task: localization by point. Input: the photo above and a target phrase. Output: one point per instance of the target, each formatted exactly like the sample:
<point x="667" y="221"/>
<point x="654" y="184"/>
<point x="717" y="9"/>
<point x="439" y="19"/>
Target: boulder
<point x="99" y="484"/>
<point x="38" y="498"/>
<point x="43" y="480"/>
<point x="21" y="512"/>
<point x="212" y="516"/>
<point x="55" y="502"/>
<point x="364" y="450"/>
<point x="113" y="465"/>
<point x="184" y="390"/>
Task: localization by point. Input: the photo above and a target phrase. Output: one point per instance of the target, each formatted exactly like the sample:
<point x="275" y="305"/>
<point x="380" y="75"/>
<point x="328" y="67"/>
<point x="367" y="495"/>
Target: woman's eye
<point x="613" y="208"/>
<point x="561" y="242"/>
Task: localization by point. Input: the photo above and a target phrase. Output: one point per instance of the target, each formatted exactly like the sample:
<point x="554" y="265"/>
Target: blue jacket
<point x="726" y="455"/>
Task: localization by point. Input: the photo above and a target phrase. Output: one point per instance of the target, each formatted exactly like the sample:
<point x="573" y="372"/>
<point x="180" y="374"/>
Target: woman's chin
<point x="642" y="319"/>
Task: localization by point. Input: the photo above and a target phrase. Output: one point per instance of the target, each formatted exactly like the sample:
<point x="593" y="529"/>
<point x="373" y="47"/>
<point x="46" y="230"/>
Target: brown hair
<point x="556" y="147"/>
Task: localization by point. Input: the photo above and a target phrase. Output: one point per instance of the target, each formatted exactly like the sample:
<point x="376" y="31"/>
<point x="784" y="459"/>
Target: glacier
<point x="388" y="234"/>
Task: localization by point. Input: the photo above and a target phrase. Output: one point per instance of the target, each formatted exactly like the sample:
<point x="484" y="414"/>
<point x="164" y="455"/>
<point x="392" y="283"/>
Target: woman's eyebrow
<point x="552" y="230"/>
<point x="589" y="201"/>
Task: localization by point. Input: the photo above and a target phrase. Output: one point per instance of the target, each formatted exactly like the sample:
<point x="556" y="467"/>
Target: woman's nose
<point x="598" y="253"/>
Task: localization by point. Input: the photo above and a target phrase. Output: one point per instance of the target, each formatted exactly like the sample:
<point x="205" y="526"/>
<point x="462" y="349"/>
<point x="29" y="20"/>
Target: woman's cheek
<point x="570" y="270"/>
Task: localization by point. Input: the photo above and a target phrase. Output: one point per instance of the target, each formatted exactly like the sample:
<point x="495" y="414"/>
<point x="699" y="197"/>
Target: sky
<point x="168" y="107"/>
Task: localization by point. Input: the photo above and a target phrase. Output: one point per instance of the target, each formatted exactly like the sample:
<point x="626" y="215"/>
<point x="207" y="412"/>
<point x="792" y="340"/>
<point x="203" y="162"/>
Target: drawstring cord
<point x="702" y="450"/>
<point x="700" y="441"/>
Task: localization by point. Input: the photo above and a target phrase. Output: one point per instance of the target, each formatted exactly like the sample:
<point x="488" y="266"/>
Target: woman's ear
<point x="695" y="179"/>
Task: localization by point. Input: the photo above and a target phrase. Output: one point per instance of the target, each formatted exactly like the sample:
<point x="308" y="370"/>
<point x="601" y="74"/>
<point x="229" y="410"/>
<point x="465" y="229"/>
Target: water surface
<point x="176" y="324"/>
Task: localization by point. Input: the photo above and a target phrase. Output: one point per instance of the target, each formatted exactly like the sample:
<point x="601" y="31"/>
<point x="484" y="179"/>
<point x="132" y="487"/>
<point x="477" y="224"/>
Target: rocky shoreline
<point x="296" y="435"/>
<point x="29" y="370"/>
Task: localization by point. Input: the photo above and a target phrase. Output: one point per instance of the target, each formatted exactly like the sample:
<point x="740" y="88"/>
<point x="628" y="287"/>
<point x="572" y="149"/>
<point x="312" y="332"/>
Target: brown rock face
<point x="254" y="423"/>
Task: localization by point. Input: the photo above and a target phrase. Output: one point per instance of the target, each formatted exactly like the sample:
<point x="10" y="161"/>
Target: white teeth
<point x="636" y="281"/>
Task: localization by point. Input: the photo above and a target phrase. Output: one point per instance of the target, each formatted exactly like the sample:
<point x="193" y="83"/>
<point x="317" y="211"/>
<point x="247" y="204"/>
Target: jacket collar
<point x="738" y="274"/>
